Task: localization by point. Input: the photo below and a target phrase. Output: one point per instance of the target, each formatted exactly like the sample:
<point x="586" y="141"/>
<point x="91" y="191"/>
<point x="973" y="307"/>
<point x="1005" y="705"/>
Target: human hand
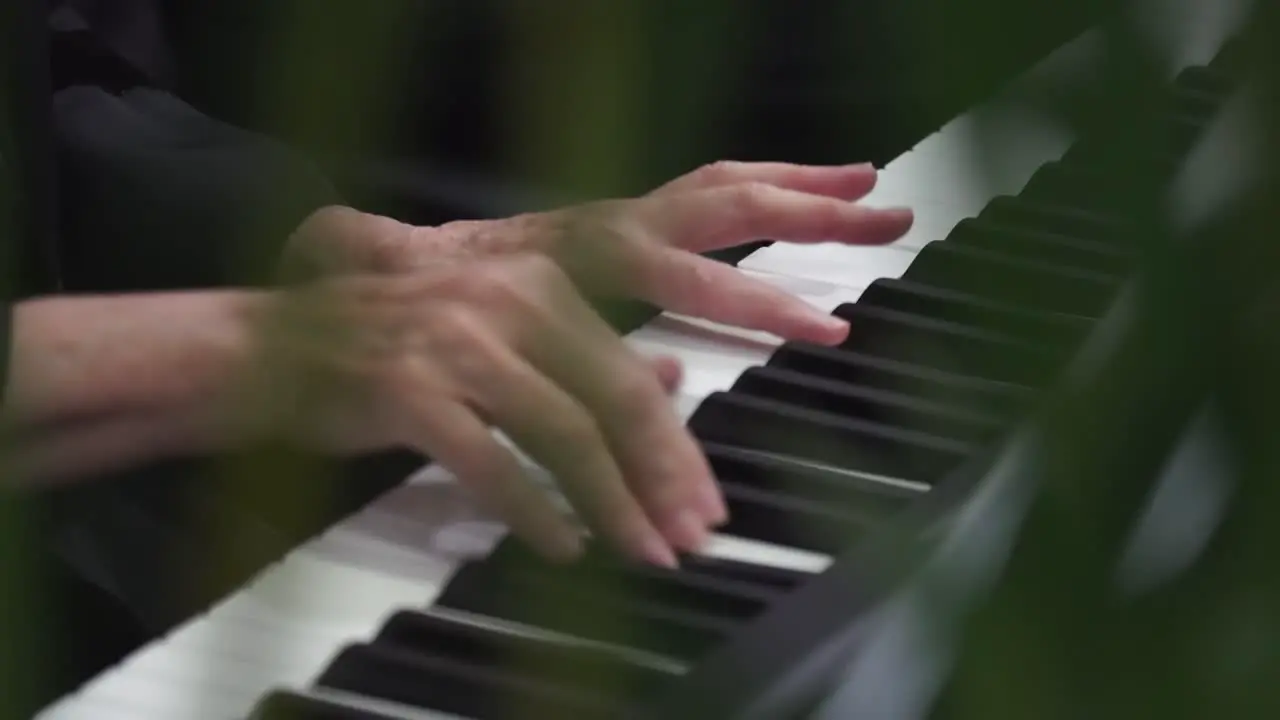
<point x="430" y="359"/>
<point x="646" y="248"/>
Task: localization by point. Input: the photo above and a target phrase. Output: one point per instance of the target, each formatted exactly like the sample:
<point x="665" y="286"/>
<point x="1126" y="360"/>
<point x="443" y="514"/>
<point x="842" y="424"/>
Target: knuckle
<point x="515" y="288"/>
<point x="749" y="198"/>
<point x="691" y="280"/>
<point x="829" y="217"/>
<point x="542" y="291"/>
<point x="541" y="269"/>
<point x="636" y="392"/>
<point x="576" y="429"/>
<point x="720" y="171"/>
<point x="458" y="328"/>
<point x="490" y="282"/>
<point x="490" y="468"/>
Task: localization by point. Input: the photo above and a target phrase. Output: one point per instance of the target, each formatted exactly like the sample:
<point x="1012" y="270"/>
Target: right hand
<point x="430" y="360"/>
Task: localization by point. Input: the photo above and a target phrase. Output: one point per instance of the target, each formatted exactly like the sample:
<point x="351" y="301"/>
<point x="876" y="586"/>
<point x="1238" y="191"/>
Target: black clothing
<point x="108" y="182"/>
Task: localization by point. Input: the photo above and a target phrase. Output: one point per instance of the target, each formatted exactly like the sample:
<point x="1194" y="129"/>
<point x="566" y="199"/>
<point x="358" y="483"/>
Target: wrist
<point x="208" y="411"/>
<point x="340" y="240"/>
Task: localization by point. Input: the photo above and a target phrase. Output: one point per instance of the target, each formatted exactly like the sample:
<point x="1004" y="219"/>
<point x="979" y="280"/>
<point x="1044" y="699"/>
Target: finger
<point x="731" y="215"/>
<point x="452" y="434"/>
<point x="845" y="182"/>
<point x="660" y="460"/>
<point x="668" y="371"/>
<point x="689" y="284"/>
<point x="559" y="433"/>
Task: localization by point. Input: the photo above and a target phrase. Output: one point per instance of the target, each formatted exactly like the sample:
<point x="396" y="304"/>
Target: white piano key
<point x="280" y="630"/>
<point x="728" y="547"/>
<point x="1027" y="143"/>
<point x="854" y="267"/>
<point x="947" y="177"/>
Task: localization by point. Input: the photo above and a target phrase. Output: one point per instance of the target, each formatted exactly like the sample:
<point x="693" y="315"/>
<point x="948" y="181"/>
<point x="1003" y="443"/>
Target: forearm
<point x="101" y="382"/>
<point x="68" y="452"/>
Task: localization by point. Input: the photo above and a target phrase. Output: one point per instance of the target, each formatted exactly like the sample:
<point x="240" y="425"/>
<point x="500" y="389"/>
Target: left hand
<point x="644" y="248"/>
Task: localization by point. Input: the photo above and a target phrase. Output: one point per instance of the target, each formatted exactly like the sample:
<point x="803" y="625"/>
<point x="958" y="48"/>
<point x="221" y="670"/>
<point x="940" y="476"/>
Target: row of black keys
<point x="938" y="363"/>
<point x="425" y="660"/>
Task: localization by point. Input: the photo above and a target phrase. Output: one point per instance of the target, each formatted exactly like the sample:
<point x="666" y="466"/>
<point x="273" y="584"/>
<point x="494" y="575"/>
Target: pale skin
<point x="428" y="337"/>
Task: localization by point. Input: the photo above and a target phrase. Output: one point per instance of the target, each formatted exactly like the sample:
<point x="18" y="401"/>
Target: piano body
<point x="1014" y="273"/>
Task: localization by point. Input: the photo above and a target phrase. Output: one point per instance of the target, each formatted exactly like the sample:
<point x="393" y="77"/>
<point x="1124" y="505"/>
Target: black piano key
<point x="1210" y="83"/>
<point x="1049" y="330"/>
<point x="548" y="660"/>
<point x="601" y="568"/>
<point x="987" y="396"/>
<point x="645" y="608"/>
<point x="1022" y="212"/>
<point x="774" y="578"/>
<point x="1231" y="59"/>
<point x="483" y="693"/>
<point x="284" y="705"/>
<point x="1192" y="97"/>
<point x="946" y="345"/>
<point x="1175" y="131"/>
<point x="788" y="521"/>
<point x="1075" y="185"/>
<point x="852" y="445"/>
<point x="867" y="501"/>
<point x="1183" y="135"/>
<point x="1100" y="257"/>
<point x="853" y="401"/>
<point x="1012" y="281"/>
<point x="801" y="506"/>
<point x="634" y="625"/>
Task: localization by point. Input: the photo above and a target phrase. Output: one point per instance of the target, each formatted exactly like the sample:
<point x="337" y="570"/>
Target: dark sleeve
<point x="6" y="308"/>
<point x="28" y="257"/>
<point x="155" y="195"/>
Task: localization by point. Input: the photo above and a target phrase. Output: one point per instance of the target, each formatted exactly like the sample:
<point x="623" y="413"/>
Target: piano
<point x="418" y="606"/>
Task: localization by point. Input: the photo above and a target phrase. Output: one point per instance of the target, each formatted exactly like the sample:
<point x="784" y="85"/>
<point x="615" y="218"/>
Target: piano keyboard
<point x="418" y="607"/>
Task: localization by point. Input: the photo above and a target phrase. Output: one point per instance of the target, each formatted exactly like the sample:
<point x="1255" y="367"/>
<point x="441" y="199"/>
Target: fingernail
<point x="565" y="546"/>
<point x="901" y="214"/>
<point x="810" y="317"/>
<point x="657" y="551"/>
<point x="834" y="330"/>
<point x="862" y="166"/>
<point x="688" y="530"/>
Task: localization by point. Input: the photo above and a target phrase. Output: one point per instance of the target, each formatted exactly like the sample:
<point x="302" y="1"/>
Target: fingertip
<point x="900" y="215"/>
<point x="820" y="329"/>
<point x="859" y="180"/>
<point x="881" y="226"/>
<point x="564" y="546"/>
<point x="687" y="530"/>
<point x="712" y="504"/>
<point x="654" y="549"/>
<point x="669" y="371"/>
<point x="864" y="171"/>
<point x="898" y="220"/>
<point x="835" y="330"/>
